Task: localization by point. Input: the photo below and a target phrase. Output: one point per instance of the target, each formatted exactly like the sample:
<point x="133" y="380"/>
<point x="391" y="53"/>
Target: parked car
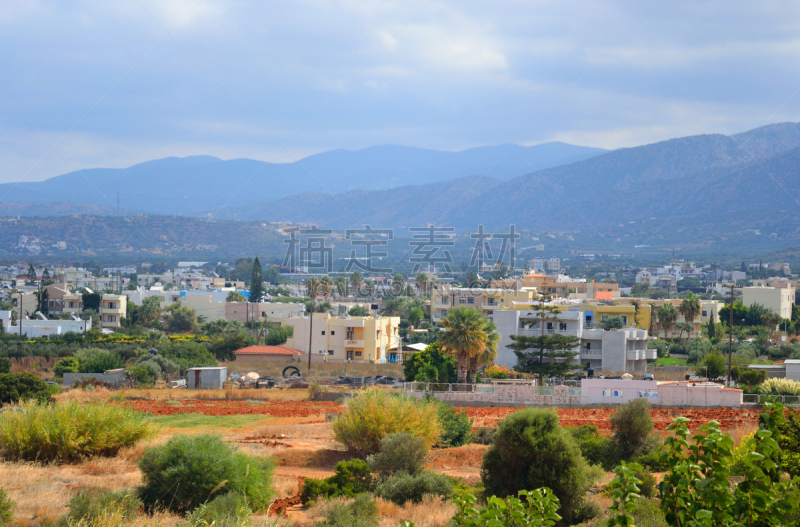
<point x="648" y="377"/>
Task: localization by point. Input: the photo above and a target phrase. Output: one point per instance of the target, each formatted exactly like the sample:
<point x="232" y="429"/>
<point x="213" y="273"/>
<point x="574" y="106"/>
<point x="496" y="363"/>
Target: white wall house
<point x="622" y="350"/>
<point x="43" y="328"/>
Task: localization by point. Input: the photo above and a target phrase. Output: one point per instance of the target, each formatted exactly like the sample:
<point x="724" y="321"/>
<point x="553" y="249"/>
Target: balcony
<point x="642" y="354"/>
<point x="490" y="306"/>
<point x="535" y="332"/>
<point x="353" y="343"/>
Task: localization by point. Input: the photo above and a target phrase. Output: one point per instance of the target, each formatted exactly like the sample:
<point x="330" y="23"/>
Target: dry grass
<point x="297" y="431"/>
<point x="230" y="394"/>
<point x="286" y="486"/>
<point x="306" y="457"/>
<point x="431" y="512"/>
<point x="741" y="432"/>
<point x="467" y="456"/>
<point x="94" y="395"/>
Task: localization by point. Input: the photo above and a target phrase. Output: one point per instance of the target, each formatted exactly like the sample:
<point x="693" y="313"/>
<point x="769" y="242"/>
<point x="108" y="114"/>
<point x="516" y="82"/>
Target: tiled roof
<point x="267" y="350"/>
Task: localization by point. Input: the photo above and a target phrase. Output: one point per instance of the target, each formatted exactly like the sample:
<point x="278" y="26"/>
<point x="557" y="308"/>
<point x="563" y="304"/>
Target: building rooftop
<point x="267" y="350"/>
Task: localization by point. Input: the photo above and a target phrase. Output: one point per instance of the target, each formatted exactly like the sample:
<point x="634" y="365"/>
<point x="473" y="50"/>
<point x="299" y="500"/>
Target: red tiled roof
<point x="267" y="350"/>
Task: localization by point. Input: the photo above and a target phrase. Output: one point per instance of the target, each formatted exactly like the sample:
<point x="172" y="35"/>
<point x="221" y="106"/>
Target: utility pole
<point x="19" y="323"/>
<point x="730" y="335"/>
<point x="310" y="332"/>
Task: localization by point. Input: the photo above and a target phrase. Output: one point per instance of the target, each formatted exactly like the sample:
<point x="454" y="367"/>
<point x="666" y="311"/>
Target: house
<point x="564" y="286"/>
<point x="445" y="297"/>
<point x="113" y="308"/>
<point x="37" y="327"/>
<point x="267" y="353"/>
<point x="622" y="350"/>
<point x="370" y="339"/>
<point x="779" y="300"/>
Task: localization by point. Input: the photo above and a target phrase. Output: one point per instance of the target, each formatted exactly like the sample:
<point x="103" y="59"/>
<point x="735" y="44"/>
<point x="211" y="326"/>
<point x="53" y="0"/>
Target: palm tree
<point x="235" y="296"/>
<point x="690" y="308"/>
<point x="355" y="282"/>
<point x="327" y="286"/>
<point x="341" y="286"/>
<point x="312" y="287"/>
<point x="467" y="334"/>
<point x="667" y="315"/>
<point x="422" y="284"/>
<point x="487" y="356"/>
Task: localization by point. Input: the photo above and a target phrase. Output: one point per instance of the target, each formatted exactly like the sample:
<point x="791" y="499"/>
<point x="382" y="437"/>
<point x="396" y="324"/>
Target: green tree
<point x="468" y="335"/>
<point x="421" y="281"/>
<point x="31" y="274"/>
<point x="5" y="365"/>
<point x="714" y="366"/>
<point x="272" y="276"/>
<point x="235" y="296"/>
<point x="471" y="280"/>
<point x="66" y="365"/>
<point x="46" y="278"/>
<point x="91" y="301"/>
<point x="43" y="302"/>
<point x="615" y="322"/>
<point x="690" y="307"/>
<point x="552" y="354"/>
<point x="740" y="314"/>
<point x="415" y="314"/>
<point x="431" y="357"/>
<point x="711" y="329"/>
<point x="279" y="335"/>
<point x="398" y="284"/>
<point x="502" y="272"/>
<point x="148" y="314"/>
<point x="630" y="426"/>
<point x="356" y="280"/>
<point x="256" y="282"/>
<point x="531" y="451"/>
<point x="641" y="290"/>
<point x="358" y="311"/>
<point x="667" y="315"/>
<point x="181" y="319"/>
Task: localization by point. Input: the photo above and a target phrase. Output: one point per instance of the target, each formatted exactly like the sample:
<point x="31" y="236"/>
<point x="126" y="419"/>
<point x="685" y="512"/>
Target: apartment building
<point x="445" y="297"/>
<point x="113" y="308"/>
<point x="273" y="311"/>
<point x="622" y="350"/>
<point x="563" y="286"/>
<point x="371" y="339"/>
<point x="779" y="300"/>
<point x="62" y="302"/>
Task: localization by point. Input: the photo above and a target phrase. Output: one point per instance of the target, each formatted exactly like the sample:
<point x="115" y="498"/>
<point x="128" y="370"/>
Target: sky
<point x="91" y="83"/>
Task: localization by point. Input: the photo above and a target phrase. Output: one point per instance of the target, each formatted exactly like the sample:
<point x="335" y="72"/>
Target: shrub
<point x="158" y="365"/>
<point x="71" y="431"/>
<point x="648" y="514"/>
<point x="455" y="425"/>
<point x="596" y="449"/>
<point x="780" y="387"/>
<point x="444" y="364"/>
<point x="660" y="346"/>
<point x="15" y="387"/>
<point x="402" y="487"/>
<point x="646" y="486"/>
<point x="5" y="365"/>
<point x="94" y="360"/>
<point x="188" y="470"/>
<point x="280" y="334"/>
<point x="531" y="451"/>
<point x="6" y="508"/>
<point x="187" y="354"/>
<point x="361" y="512"/>
<point x="66" y="365"/>
<point x="483" y="435"/>
<point x="399" y="453"/>
<point x="92" y="504"/>
<point x="748" y="376"/>
<point x="375" y="414"/>
<point x="538" y="508"/>
<point x="350" y="479"/>
<point x="630" y="425"/>
<point x="226" y="510"/>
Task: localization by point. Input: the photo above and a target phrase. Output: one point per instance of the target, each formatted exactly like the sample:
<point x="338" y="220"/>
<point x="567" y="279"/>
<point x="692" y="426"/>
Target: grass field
<point x="209" y="423"/>
<point x="669" y="361"/>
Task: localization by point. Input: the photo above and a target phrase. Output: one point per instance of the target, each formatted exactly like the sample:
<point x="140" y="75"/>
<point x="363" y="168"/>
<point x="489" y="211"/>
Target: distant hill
<point x="11" y="209"/>
<point x="203" y="184"/>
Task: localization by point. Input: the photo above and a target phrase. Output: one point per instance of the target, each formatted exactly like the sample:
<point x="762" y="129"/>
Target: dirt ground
<point x="235" y="407"/>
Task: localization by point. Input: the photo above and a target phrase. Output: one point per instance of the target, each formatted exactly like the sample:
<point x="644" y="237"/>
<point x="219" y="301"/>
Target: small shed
<point x="792" y="368"/>
<point x="210" y="378"/>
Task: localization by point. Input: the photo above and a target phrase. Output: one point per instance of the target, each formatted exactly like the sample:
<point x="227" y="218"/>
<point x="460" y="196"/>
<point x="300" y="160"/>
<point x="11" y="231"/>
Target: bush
<point x="455" y="425"/>
<point x="66" y="365"/>
<point x="158" y="365"/>
<point x="646" y="487"/>
<point x="399" y="453"/>
<point x="187" y="354"/>
<point x="226" y="510"/>
<point x="6" y="508"/>
<point x="188" y="470"/>
<point x="361" y="512"/>
<point x="780" y="387"/>
<point x="531" y="451"/>
<point x="376" y="413"/>
<point x="92" y="504"/>
<point x="443" y="363"/>
<point x="94" y="360"/>
<point x="71" y="431"/>
<point x="279" y="335"/>
<point x="631" y="425"/>
<point x="5" y="365"/>
<point x="483" y="435"/>
<point x="537" y="507"/>
<point x="748" y="376"/>
<point x="350" y="479"/>
<point x="596" y="449"/>
<point x="660" y="346"/>
<point x="402" y="487"/>
<point x="648" y="514"/>
<point x="15" y="387"/>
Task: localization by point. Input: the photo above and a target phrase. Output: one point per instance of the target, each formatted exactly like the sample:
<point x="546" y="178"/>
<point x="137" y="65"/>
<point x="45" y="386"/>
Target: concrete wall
<point x="617" y="391"/>
<point x="506" y="394"/>
<point x="778" y="300"/>
<point x="115" y="379"/>
<point x="206" y="378"/>
<point x="698" y="395"/>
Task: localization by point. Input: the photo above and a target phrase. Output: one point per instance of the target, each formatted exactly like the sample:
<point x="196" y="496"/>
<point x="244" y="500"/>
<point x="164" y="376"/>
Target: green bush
<point x="631" y="424"/>
<point x="646" y="487"/>
<point x="401" y="487"/>
<point x="92" y="504"/>
<point x="158" y="366"/>
<point x="6" y="508"/>
<point x="187" y="355"/>
<point x="279" y="335"/>
<point x="533" y="508"/>
<point x="377" y="413"/>
<point x="5" y="365"/>
<point x="660" y="346"/>
<point x="94" y="360"/>
<point x="595" y="449"/>
<point x="350" y="478"/>
<point x="531" y="451"/>
<point x="71" y="431"/>
<point x="399" y="453"/>
<point x="748" y="376"/>
<point x="66" y="365"/>
<point x="361" y="512"/>
<point x="444" y="364"/>
<point x="188" y="470"/>
<point x="455" y="425"/>
<point x="483" y="435"/>
<point x="15" y="387"/>
<point x="226" y="510"/>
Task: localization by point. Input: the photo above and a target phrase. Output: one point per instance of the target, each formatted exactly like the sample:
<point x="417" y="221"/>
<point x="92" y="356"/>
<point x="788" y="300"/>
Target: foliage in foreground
<point x="350" y="478"/>
<point x="92" y="504"/>
<point x="780" y="387"/>
<point x="6" y="508"/>
<point x="189" y="470"/>
<point x="539" y="508"/>
<point x="376" y="413"/>
<point x="531" y="451"/>
<point x="361" y="512"/>
<point x="71" y="431"/>
<point x="15" y="387"/>
<point x="226" y="510"/>
<point x="399" y="453"/>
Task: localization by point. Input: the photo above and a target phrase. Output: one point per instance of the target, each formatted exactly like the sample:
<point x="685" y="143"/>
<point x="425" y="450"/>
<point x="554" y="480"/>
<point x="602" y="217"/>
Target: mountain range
<point x="703" y="185"/>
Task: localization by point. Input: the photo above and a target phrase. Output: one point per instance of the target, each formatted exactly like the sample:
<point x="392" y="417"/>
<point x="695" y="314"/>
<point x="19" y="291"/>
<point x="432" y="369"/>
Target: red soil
<point x="270" y="408"/>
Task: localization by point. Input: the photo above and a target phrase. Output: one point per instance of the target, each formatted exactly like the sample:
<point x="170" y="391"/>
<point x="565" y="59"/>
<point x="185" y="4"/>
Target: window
<point x="588" y="345"/>
<point x="358" y="354"/>
<point x="549" y="325"/>
<point x="562" y="326"/>
<point x="705" y="313"/>
<point x="330" y="352"/>
<point x="649" y="394"/>
<point x="471" y="300"/>
<point x="350" y="335"/>
<point x="463" y="300"/>
<point x="322" y="332"/>
<point x="333" y="333"/>
<point x="606" y="393"/>
<point x="443" y="300"/>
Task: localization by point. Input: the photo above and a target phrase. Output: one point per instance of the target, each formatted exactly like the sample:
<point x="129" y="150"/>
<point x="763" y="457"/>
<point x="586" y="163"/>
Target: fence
<point x="433" y="387"/>
<point x="759" y="399"/>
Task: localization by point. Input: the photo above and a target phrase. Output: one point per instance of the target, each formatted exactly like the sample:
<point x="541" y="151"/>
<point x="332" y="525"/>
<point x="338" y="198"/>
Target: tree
<point x="235" y="296"/>
<point x="181" y="319"/>
<point x="433" y="358"/>
<point x="684" y="326"/>
<point x="91" y="301"/>
<point x="415" y="314"/>
<point x="667" y="315"/>
<point x="421" y="281"/>
<point x="609" y="323"/>
<point x="467" y="334"/>
<point x="714" y="366"/>
<point x="690" y="307"/>
<point x="531" y="451"/>
<point x="256" y="282"/>
<point x="358" y="311"/>
<point x="272" y="276"/>
<point x="312" y="287"/>
<point x="356" y="280"/>
<point x="552" y="353"/>
<point x="279" y="335"/>
<point x="398" y="284"/>
<point x="46" y="278"/>
<point x="711" y="329"/>
<point x="31" y="274"/>
<point x="149" y="312"/>
<point x="471" y="280"/>
<point x="43" y="302"/>
<point x="740" y="314"/>
<point x="401" y="306"/>
<point x="341" y="286"/>
<point x="502" y="272"/>
<point x="641" y="290"/>
<point x="630" y="425"/>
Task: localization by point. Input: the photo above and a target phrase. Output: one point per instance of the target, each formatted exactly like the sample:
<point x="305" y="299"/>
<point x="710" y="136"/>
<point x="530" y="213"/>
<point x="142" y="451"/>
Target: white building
<point x="779" y="300"/>
<point x="43" y="328"/>
<point x="622" y="350"/>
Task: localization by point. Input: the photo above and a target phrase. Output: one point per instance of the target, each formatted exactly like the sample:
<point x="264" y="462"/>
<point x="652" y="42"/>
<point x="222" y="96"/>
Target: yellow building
<point x="594" y="313"/>
<point x="371" y="339"/>
<point x="444" y="297"/>
<point x="113" y="308"/>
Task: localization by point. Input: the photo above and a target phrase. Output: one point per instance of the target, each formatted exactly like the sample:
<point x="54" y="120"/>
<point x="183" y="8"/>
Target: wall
<point x="505" y="394"/>
<point x="698" y="394"/>
<point x="116" y="379"/>
<point x="210" y="378"/>
<point x="778" y="300"/>
<point x="592" y="390"/>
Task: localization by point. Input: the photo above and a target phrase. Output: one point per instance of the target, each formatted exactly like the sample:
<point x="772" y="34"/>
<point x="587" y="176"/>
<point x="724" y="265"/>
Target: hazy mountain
<point x="204" y="184"/>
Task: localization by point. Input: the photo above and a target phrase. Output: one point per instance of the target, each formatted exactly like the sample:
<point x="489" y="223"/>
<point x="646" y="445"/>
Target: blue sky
<point x="107" y="85"/>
